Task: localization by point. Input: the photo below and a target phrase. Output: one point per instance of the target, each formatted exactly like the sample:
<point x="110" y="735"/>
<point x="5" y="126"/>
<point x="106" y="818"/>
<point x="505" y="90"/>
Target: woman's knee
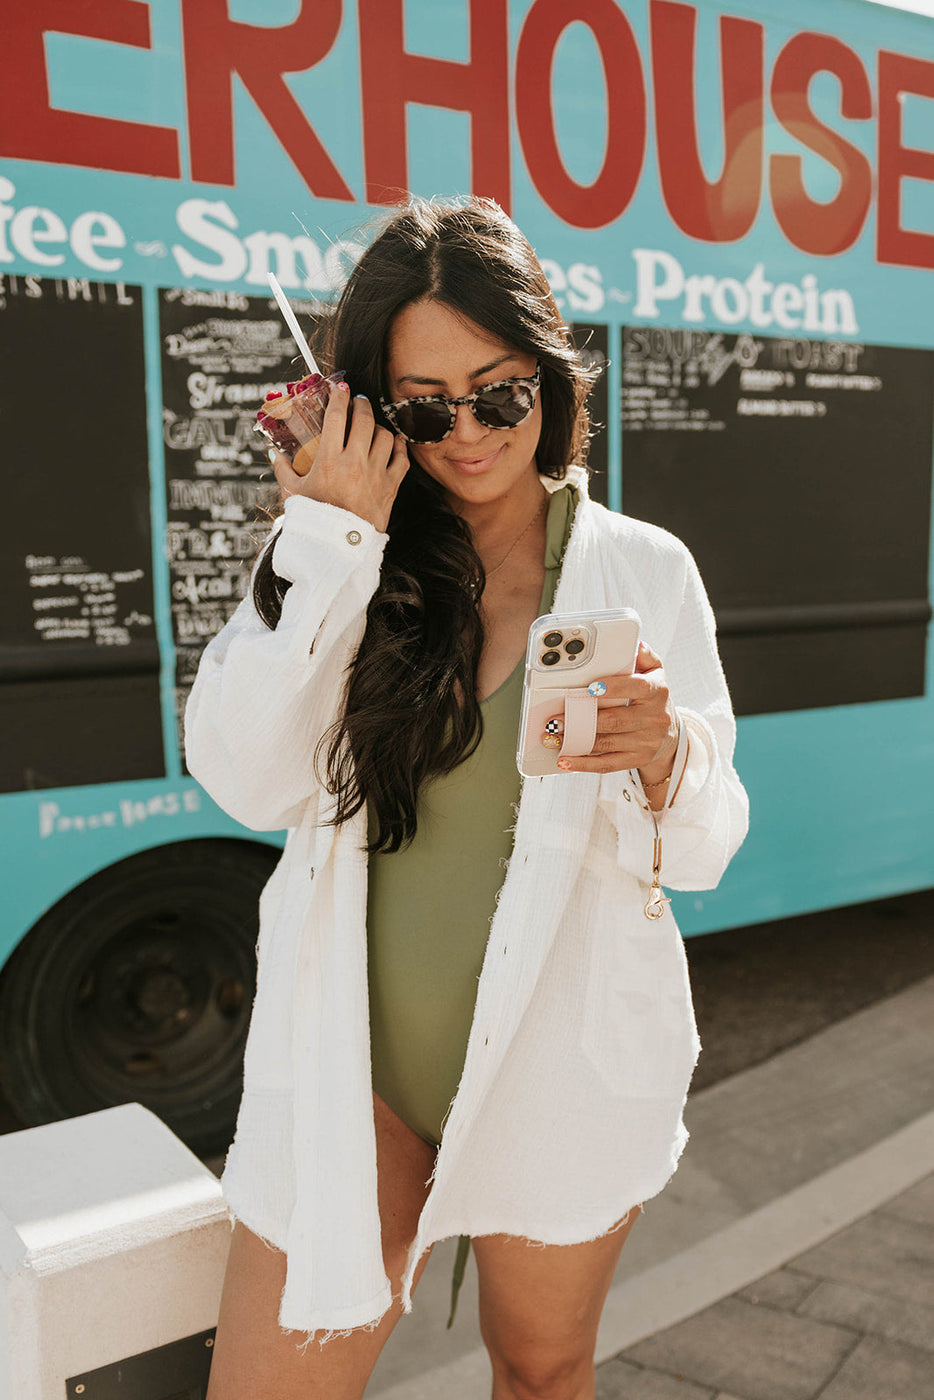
<point x="537" y="1359"/>
<point x="540" y="1376"/>
<point x="540" y="1309"/>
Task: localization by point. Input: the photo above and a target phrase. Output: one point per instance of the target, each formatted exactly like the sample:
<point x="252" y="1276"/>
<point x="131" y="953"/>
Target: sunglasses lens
<point x="424" y="422"/>
<point x="499" y="406"/>
<point x="504" y="407"/>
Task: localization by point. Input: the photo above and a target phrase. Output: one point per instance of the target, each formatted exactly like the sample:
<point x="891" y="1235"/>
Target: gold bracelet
<point x="660" y="783"/>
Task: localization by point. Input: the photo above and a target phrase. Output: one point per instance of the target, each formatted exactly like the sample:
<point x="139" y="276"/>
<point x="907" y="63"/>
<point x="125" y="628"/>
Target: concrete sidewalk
<point x="806" y="1186"/>
<point x="850" y="1319"/>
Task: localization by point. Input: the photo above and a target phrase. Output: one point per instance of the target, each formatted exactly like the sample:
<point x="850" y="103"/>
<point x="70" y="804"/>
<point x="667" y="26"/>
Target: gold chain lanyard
<point x="655" y="905"/>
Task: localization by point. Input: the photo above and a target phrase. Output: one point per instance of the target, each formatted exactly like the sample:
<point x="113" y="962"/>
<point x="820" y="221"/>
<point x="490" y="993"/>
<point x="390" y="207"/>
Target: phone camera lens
<point x="552" y="639"/>
<point x="551" y="658"/>
<point x="574" y="648"/>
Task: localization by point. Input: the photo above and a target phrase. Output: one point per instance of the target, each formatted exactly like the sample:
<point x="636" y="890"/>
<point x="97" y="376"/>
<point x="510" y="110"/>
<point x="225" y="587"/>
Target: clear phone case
<point x="566" y="652"/>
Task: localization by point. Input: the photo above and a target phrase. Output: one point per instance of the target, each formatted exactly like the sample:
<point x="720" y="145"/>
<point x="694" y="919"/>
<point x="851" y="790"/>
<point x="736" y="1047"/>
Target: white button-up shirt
<point x="583" y="1043"/>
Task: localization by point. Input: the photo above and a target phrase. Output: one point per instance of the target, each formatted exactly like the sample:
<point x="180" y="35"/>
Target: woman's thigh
<point x="253" y="1356"/>
<point x="540" y="1306"/>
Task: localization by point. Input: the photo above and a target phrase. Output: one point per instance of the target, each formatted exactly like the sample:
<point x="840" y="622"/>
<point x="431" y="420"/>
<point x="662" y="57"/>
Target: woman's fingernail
<point x="596" y="688"/>
<point x="554" y="726"/>
<point x="551" y="741"/>
<point x="362" y="396"/>
<point x="271" y="454"/>
<point x="342" y="387"/>
<point x="564" y="764"/>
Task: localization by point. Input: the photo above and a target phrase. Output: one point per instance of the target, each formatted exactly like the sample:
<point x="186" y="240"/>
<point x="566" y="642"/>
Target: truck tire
<point x="138" y="986"/>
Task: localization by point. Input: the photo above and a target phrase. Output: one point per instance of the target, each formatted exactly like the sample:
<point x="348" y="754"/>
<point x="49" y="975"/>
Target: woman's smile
<point x="474" y="466"/>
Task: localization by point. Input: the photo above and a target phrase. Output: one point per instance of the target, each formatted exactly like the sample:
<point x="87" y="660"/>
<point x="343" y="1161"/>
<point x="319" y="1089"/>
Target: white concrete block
<point x="113" y="1241"/>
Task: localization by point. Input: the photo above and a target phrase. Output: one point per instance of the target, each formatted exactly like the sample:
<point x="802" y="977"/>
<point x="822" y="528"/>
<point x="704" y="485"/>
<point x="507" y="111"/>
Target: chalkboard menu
<point x="592" y="342"/>
<point x="221" y="354"/>
<point x="79" y="661"/>
<point x="799" y="474"/>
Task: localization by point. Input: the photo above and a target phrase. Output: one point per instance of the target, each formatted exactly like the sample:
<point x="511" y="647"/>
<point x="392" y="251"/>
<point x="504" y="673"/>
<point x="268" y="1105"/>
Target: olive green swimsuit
<point x="430" y="905"/>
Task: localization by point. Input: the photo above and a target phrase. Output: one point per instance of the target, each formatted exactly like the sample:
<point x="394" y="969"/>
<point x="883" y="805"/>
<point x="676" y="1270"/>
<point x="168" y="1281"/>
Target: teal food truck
<point x="734" y="204"/>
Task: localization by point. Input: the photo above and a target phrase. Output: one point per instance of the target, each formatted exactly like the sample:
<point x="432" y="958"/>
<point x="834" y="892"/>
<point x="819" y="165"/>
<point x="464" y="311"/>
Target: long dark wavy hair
<point x="411" y="711"/>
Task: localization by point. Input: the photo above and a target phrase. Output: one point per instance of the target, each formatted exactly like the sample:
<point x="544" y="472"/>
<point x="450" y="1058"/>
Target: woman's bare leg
<point x="540" y="1310"/>
<point x="253" y="1357"/>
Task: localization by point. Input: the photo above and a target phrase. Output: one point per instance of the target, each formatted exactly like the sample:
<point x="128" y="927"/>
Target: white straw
<point x="292" y="323"/>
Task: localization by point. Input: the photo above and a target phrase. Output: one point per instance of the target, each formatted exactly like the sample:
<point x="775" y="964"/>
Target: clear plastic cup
<point x="294" y="419"/>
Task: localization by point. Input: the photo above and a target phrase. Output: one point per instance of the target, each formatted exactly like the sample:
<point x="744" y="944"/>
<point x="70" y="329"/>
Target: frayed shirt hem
<point x="585" y="1234"/>
<point x="334" y="1323"/>
<point x="330" y="1324"/>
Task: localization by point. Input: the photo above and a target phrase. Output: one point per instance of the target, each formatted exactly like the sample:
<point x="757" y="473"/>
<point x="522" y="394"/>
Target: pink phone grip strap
<point x="580" y="722"/>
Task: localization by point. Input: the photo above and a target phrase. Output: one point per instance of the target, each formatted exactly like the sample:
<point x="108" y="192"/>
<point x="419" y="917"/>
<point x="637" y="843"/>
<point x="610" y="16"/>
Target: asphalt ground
<point x="760" y="989"/>
<point x="764" y="988"/>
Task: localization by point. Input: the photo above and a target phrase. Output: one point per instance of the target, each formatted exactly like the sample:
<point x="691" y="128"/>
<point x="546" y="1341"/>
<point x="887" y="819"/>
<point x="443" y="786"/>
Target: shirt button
<point x="626" y="795"/>
<point x="354" y="537"/>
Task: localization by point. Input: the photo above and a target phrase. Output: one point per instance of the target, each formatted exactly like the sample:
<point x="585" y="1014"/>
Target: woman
<point x="435" y="1049"/>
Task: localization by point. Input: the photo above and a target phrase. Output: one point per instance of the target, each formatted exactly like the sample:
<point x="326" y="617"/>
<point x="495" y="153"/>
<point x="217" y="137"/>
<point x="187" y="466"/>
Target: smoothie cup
<point x="294" y="419"/>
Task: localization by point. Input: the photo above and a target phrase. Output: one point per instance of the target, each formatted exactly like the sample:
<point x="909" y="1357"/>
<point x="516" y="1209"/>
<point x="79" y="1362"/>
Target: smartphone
<point x="566" y="652"/>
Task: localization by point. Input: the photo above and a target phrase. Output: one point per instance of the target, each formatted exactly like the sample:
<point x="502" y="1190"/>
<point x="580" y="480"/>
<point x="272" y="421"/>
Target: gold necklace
<point x="528" y="527"/>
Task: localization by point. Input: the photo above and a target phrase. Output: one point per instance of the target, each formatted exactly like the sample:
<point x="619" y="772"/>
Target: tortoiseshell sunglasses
<point x="430" y="418"/>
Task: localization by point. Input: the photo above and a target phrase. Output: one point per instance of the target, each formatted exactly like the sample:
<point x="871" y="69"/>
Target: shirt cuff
<point x="337" y="533"/>
<point x="697" y="762"/>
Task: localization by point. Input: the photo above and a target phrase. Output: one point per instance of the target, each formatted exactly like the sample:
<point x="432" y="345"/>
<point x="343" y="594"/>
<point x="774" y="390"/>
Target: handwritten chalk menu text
<point x="798" y="472"/>
<point x="221" y="354"/>
<point x="79" y="663"/>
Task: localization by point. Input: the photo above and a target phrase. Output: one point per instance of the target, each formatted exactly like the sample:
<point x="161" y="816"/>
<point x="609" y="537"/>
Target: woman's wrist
<point x="656" y="774"/>
<point x="657" y="792"/>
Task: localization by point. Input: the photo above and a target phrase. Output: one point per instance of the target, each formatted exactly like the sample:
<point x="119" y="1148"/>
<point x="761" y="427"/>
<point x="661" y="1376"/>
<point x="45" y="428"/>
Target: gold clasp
<point x="655" y="907"/>
<point x="655" y="904"/>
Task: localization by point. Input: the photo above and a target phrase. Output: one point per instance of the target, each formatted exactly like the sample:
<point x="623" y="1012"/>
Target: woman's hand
<point x="361" y="476"/>
<point x="642" y="734"/>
